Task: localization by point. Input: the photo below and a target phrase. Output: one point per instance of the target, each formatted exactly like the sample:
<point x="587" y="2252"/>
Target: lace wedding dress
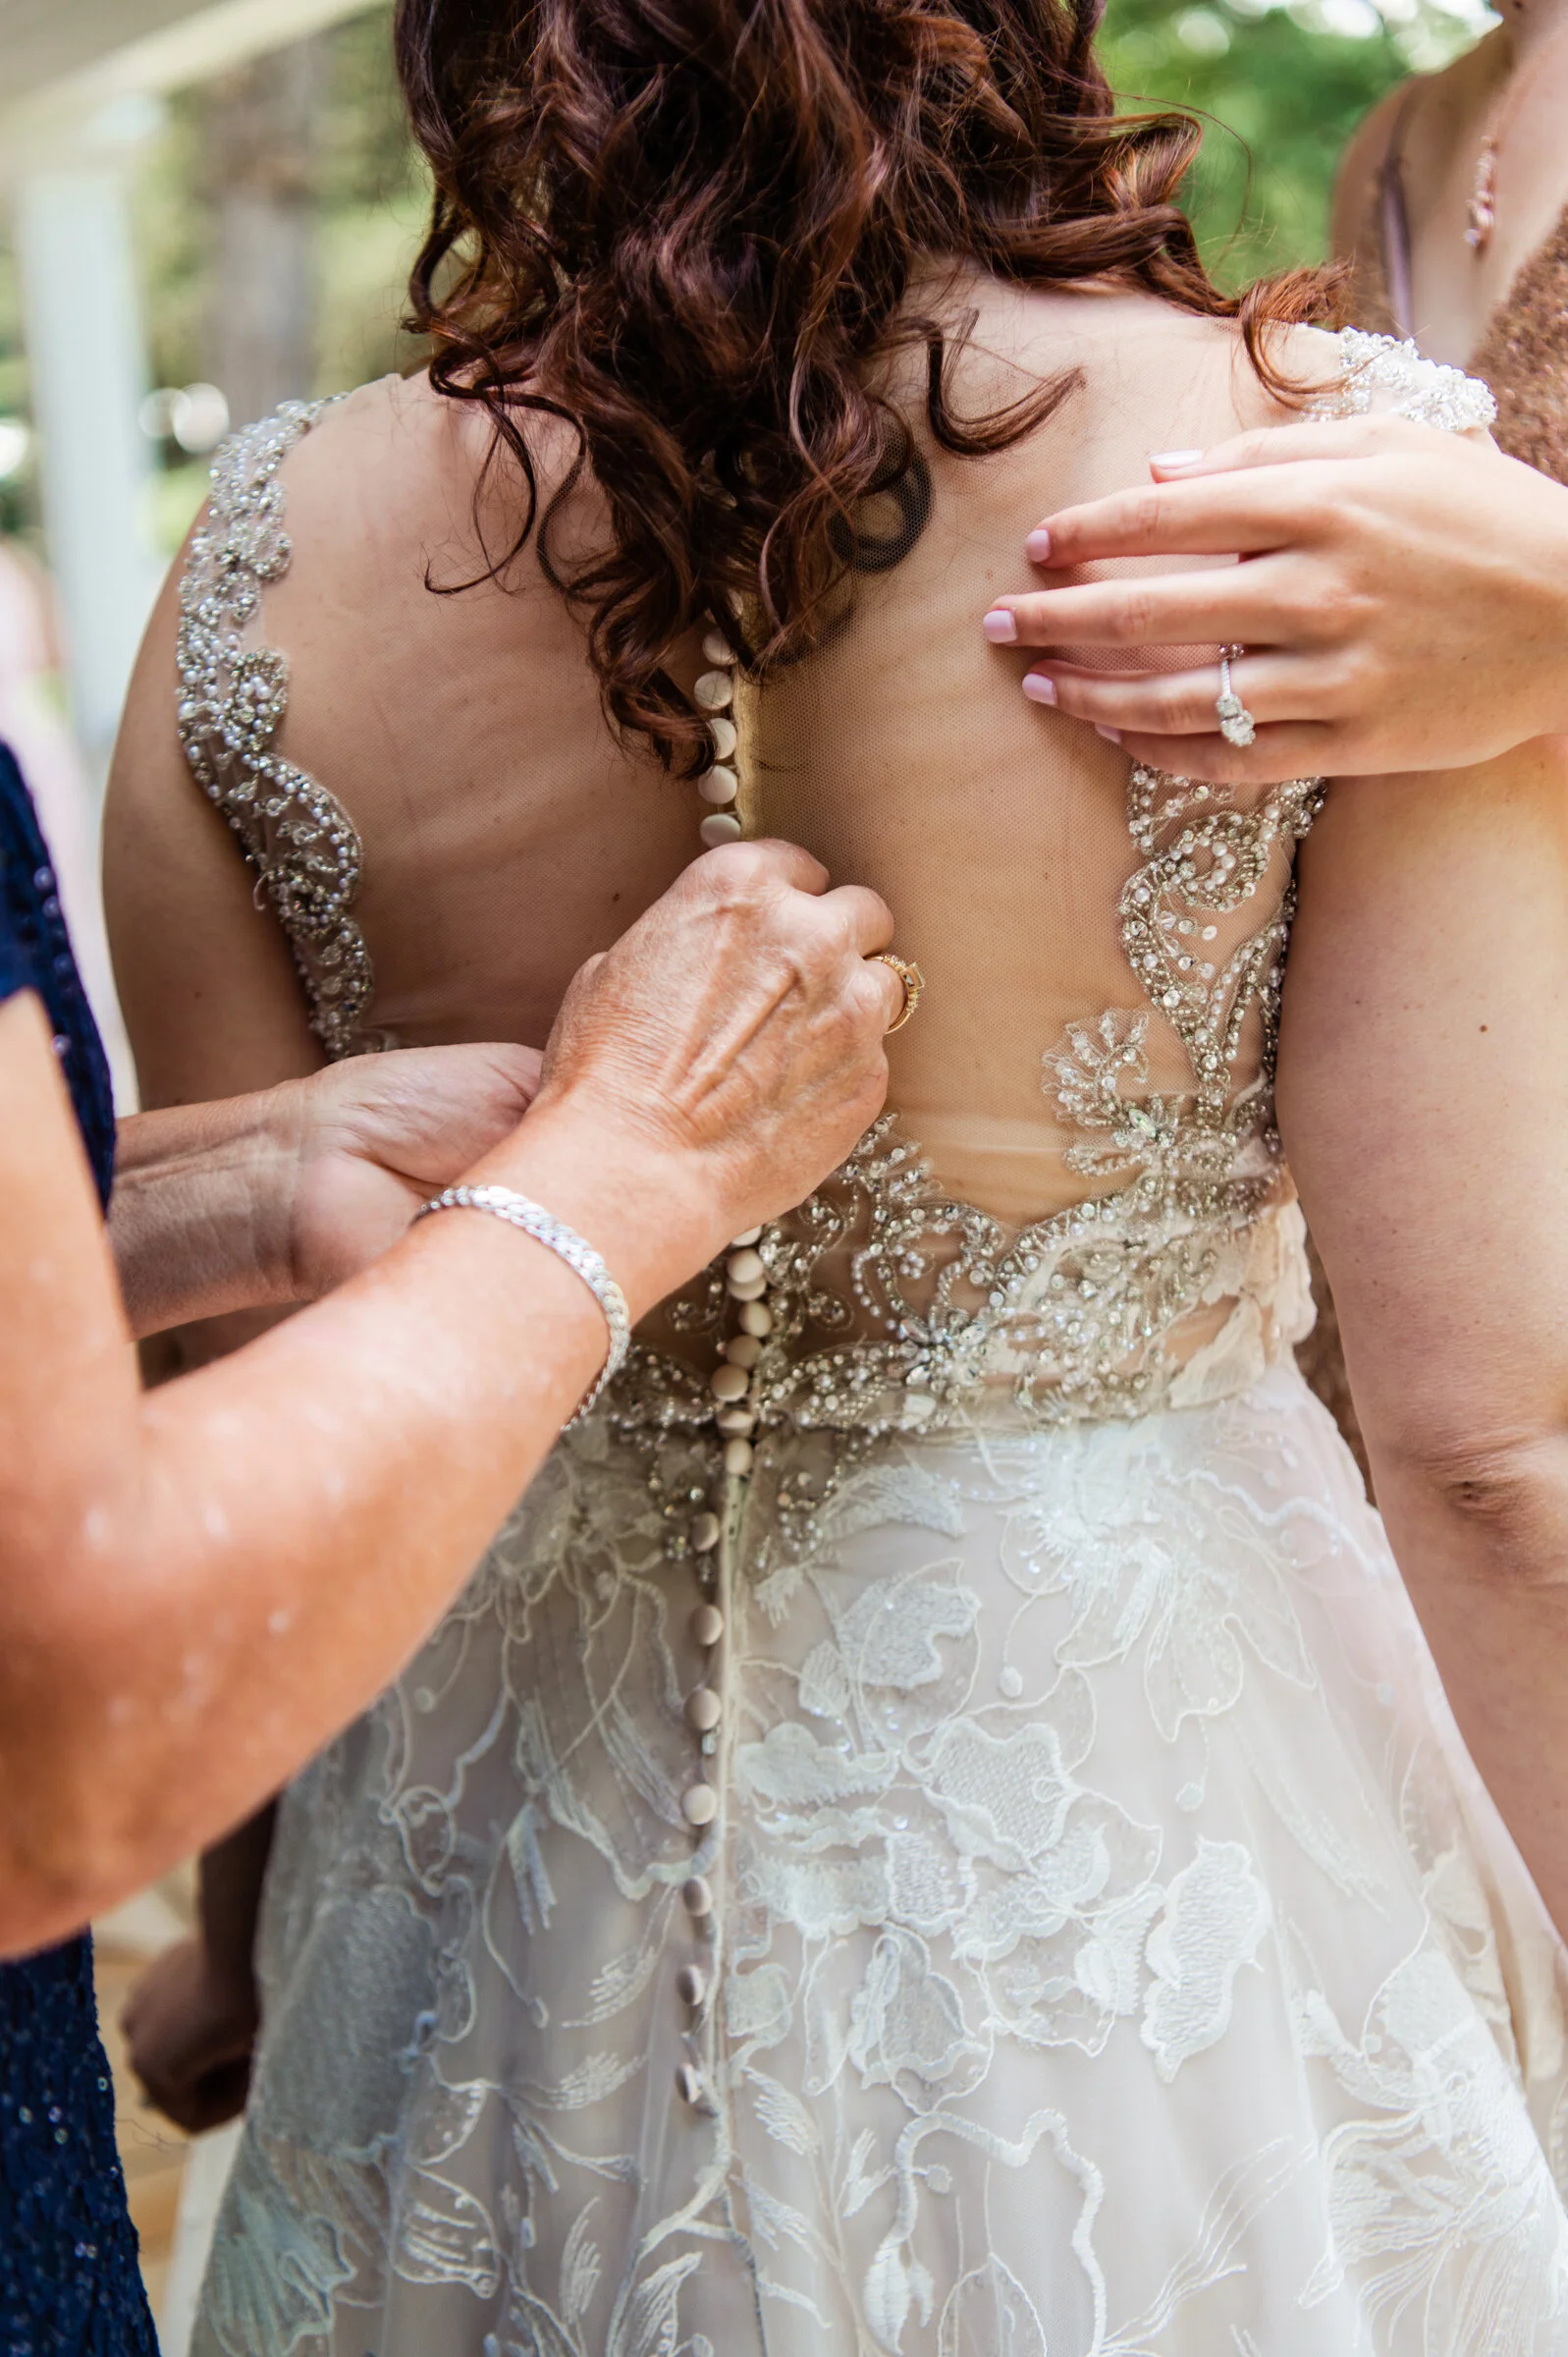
<point x="945" y="1837"/>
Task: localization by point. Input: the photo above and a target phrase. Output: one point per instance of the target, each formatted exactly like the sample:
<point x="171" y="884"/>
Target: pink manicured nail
<point x="1039" y="545"/>
<point x="1001" y="628"/>
<point x="1038" y="689"/>
<point x="1111" y="736"/>
<point x="1173" y="459"/>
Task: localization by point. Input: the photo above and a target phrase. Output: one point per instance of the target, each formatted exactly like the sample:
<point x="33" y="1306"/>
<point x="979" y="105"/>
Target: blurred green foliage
<point x="1280" y="97"/>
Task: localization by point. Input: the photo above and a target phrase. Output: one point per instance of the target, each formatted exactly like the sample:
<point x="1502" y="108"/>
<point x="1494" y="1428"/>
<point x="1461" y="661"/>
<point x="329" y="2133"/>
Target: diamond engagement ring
<point x="1236" y="725"/>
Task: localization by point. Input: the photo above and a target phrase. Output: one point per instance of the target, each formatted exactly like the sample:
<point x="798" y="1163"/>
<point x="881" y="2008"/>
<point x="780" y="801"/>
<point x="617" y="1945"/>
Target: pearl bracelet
<point x="520" y="1211"/>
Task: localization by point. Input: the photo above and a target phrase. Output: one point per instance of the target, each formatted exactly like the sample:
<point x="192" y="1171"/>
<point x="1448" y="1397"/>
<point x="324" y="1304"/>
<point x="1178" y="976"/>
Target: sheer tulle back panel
<point x="1102" y="1222"/>
<point x="905" y="756"/>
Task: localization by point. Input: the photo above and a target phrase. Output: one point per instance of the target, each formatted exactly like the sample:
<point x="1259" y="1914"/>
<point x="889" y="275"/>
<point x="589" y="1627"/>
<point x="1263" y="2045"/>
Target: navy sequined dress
<point x="70" y="2286"/>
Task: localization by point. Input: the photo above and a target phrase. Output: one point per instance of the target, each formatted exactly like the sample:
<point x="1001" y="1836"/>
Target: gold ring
<point x="913" y="980"/>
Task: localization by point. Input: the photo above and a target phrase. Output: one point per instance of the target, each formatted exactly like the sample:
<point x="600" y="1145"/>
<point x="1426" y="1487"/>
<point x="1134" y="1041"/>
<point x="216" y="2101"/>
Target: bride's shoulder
<point x="425" y="434"/>
<point x="1143" y="373"/>
<point x="385" y="486"/>
<point x="394" y="448"/>
<point x="346" y="476"/>
<point x="1147" y="360"/>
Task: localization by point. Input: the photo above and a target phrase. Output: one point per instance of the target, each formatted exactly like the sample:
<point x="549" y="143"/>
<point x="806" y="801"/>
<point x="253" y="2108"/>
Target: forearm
<point x="1422" y="1108"/>
<point x="199" y="1218"/>
<point x="1484" y="1542"/>
<point x="284" y="1527"/>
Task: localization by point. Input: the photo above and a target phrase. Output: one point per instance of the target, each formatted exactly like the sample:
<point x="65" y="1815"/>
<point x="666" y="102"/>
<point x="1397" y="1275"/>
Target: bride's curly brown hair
<point x="691" y="228"/>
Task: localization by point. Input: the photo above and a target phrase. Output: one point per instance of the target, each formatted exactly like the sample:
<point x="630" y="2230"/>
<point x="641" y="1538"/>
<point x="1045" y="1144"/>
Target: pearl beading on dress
<point x="709" y="1539"/>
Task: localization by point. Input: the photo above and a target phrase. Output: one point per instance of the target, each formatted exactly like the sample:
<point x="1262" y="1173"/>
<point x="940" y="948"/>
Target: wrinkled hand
<point x="189" y="2036"/>
<point x="1402" y="597"/>
<point x="374" y="1137"/>
<point x="733" y="1037"/>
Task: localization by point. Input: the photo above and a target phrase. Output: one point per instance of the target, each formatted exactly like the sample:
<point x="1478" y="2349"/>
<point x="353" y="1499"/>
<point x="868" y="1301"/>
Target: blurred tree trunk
<point x="264" y="134"/>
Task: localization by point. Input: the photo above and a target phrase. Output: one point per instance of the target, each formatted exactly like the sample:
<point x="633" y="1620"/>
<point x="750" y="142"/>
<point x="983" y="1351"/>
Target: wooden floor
<point x="153" y="2150"/>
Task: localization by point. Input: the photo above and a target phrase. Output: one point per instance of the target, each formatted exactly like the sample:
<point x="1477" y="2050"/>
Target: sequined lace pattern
<point x="1524" y="358"/>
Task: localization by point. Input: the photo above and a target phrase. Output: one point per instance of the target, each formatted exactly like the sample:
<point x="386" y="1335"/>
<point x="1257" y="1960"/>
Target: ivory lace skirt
<point x="1103" y="1944"/>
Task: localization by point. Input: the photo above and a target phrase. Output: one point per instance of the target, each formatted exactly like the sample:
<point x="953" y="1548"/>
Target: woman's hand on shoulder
<point x="1403" y="601"/>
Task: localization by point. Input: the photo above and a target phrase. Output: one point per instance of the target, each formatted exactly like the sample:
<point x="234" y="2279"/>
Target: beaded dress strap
<point x="1382" y="374"/>
<point x="233" y="699"/>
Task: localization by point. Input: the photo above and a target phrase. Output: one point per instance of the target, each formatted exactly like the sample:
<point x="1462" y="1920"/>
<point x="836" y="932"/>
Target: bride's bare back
<point x="504" y="835"/>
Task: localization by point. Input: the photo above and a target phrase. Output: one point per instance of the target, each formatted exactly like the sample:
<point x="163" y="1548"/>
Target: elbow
<point x="1500" y="1497"/>
<point x="61" y="1868"/>
<point x="76" y="1839"/>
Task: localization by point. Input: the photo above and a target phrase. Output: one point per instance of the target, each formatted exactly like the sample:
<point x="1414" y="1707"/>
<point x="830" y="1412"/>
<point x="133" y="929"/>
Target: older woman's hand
<point x="728" y="1050"/>
<point x="740" y="1023"/>
<point x="717" y="1063"/>
<point x="284" y="1527"/>
<point x="1402" y="599"/>
<point x="371" y="1139"/>
<point x="260" y="1201"/>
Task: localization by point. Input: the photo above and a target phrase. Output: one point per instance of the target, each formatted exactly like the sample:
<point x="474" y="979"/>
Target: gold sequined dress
<point x="1523" y="353"/>
<point x="958" y="1849"/>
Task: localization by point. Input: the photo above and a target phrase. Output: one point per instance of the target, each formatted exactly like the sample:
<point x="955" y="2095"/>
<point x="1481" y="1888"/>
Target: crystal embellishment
<point x="1381" y="373"/>
<point x="1083" y="1315"/>
<point x="1236" y="725"/>
<point x="233" y="701"/>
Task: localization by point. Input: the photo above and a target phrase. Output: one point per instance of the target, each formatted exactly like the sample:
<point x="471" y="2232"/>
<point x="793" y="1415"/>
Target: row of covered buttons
<point x="713" y="694"/>
<point x="729" y="1384"/>
<point x="732" y="1389"/>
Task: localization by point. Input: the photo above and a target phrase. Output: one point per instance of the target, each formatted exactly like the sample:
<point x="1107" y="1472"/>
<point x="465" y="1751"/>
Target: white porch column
<point x="76" y="94"/>
<point x="88" y="369"/>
